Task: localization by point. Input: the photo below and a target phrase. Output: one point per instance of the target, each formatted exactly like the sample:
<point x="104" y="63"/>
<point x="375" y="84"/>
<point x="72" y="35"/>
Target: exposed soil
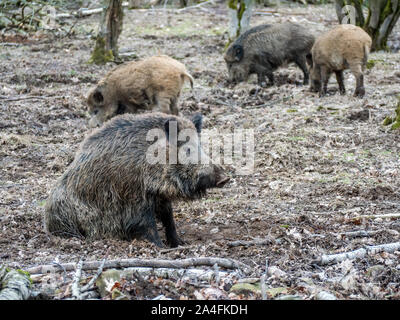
<point x="320" y="163"/>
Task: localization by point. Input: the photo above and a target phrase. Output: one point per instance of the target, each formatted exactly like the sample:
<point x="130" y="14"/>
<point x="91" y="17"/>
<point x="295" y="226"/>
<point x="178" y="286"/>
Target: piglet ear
<point x="197" y="120"/>
<point x="171" y="128"/>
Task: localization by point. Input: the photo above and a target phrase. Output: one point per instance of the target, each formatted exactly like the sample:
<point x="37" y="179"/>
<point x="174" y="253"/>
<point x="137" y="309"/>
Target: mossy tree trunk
<point x="14" y="284"/>
<point x="106" y="48"/>
<point x="382" y="16"/>
<point x="240" y="14"/>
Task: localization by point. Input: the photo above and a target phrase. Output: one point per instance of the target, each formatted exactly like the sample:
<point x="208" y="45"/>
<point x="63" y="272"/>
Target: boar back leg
<point x="300" y="61"/>
<point x="357" y="72"/>
<point x="164" y="213"/>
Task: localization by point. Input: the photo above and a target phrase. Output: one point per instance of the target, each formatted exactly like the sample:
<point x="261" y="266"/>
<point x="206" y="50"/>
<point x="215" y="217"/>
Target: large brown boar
<point x="151" y="83"/>
<point x="264" y="48"/>
<point x="343" y="47"/>
<point x="115" y="189"/>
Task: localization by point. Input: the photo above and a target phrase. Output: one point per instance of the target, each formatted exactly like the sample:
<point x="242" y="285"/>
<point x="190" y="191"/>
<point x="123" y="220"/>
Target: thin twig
<point x="257" y="242"/>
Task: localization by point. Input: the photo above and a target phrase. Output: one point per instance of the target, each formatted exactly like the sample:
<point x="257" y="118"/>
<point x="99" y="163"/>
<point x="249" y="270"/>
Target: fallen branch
<point x="15" y="285"/>
<point x="85" y="12"/>
<point x="10" y="44"/>
<point x="196" y="6"/>
<point x="177" y="249"/>
<point x="6" y="99"/>
<point x="154" y="263"/>
<point x="257" y="242"/>
<point x="76" y="294"/>
<point x="376" y="216"/>
<point x="359" y="253"/>
<point x="360" y="233"/>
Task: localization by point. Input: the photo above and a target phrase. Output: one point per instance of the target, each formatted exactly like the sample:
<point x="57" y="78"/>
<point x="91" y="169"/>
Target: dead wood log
<point x="168" y="273"/>
<point x="14" y="284"/>
<point x="153" y="263"/>
<point x="359" y="253"/>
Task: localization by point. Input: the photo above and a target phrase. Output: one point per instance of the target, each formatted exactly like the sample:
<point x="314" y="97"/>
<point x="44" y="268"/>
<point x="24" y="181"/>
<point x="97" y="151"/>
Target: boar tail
<point x="188" y="77"/>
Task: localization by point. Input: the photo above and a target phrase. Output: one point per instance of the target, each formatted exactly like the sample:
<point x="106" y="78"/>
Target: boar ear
<point x="309" y="59"/>
<point x="197" y="120"/>
<point x="98" y="96"/>
<point x="238" y="51"/>
<point x="171" y="128"/>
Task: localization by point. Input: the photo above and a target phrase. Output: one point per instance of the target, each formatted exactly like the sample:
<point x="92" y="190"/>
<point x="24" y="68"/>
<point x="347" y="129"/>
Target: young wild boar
<point x="343" y="47"/>
<point x="151" y="83"/>
<point x="264" y="48"/>
<point x="114" y="189"/>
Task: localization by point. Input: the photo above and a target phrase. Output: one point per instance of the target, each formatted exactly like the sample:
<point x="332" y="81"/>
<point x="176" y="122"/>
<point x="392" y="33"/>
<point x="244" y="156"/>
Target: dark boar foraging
<point x="151" y="83"/>
<point x="113" y="190"/>
<point x="343" y="47"/>
<point x="264" y="48"/>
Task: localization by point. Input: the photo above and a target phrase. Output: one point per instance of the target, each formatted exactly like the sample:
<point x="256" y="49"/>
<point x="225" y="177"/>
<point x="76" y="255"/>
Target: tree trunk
<point x="106" y="48"/>
<point x="240" y="13"/>
<point x="381" y="18"/>
<point x="14" y="284"/>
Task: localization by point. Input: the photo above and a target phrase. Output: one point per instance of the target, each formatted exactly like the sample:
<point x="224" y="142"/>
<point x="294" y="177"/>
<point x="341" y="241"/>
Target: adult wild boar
<point x="151" y="83"/>
<point x="343" y="47"/>
<point x="114" y="189"/>
<point x="264" y="48"/>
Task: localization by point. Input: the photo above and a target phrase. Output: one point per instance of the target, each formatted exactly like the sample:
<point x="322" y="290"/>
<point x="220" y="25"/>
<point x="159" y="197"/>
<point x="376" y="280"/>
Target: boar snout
<point x="221" y="178"/>
<point x="216" y="179"/>
<point x="222" y="181"/>
<point x="94" y="122"/>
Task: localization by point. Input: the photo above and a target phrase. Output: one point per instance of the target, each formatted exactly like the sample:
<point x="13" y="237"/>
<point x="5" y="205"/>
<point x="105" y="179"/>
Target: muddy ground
<point x="320" y="163"/>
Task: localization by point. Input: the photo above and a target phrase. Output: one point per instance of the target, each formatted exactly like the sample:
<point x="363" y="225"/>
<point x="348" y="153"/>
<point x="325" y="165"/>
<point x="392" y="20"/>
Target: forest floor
<point x="324" y="167"/>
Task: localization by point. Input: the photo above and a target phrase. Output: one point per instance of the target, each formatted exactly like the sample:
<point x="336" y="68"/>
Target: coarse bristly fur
<point x="264" y="48"/>
<point x="344" y="47"/>
<point x="153" y="83"/>
<point x="111" y="190"/>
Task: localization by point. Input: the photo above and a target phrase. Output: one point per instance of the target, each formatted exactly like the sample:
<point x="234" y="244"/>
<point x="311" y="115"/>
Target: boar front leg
<point x="164" y="213"/>
<point x="325" y="74"/>
<point x="261" y="79"/>
<point x="163" y="104"/>
<point x="143" y="224"/>
<point x="339" y="78"/>
<point x="174" y="106"/>
<point x="263" y="71"/>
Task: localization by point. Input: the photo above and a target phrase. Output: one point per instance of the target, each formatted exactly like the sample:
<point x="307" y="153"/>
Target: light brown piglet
<point x="343" y="47"/>
<point x="153" y="83"/>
